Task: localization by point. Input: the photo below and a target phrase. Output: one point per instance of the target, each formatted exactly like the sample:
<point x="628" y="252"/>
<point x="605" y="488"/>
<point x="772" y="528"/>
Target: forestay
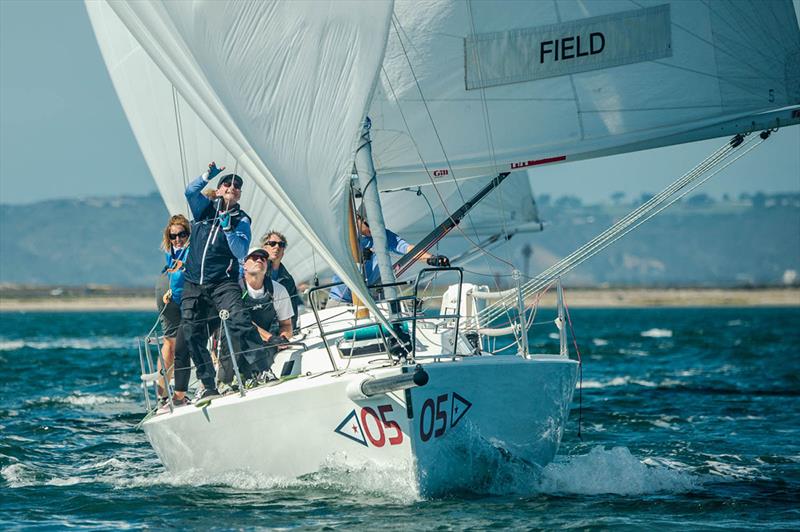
<point x="290" y="116"/>
<point x="478" y="88"/>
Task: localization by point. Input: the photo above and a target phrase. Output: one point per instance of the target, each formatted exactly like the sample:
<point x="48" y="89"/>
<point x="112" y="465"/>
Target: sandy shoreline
<point x="576" y="298"/>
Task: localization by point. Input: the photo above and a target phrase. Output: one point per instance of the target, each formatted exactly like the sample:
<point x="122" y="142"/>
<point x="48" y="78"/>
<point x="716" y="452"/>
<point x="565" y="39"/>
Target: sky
<point x="63" y="133"/>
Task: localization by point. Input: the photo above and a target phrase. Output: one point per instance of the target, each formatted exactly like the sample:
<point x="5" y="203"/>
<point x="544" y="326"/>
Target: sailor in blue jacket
<point x="341" y="294"/>
<point x="220" y="241"/>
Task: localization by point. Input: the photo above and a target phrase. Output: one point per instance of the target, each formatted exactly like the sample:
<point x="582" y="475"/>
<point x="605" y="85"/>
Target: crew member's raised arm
<point x="198" y="202"/>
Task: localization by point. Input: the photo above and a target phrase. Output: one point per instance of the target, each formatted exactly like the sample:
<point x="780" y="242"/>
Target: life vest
<point x="262" y="310"/>
<point x="210" y="259"/>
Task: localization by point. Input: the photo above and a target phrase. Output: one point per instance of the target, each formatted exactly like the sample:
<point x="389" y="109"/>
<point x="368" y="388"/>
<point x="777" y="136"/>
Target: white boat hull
<point x="510" y="406"/>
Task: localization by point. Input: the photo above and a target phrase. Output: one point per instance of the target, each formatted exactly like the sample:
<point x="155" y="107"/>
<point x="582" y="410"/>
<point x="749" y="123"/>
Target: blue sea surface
<point x="690" y="419"/>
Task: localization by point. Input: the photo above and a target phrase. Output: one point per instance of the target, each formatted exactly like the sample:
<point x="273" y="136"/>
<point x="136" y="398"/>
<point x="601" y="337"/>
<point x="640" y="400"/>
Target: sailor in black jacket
<point x="220" y="240"/>
<point x="271" y="311"/>
<point x="274" y="243"/>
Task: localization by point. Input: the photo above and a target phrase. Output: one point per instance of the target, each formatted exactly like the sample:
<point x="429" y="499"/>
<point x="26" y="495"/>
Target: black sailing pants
<point x="201" y="302"/>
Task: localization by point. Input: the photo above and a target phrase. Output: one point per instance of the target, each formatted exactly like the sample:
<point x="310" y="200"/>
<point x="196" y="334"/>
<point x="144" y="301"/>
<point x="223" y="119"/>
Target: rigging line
<point x="488" y="128"/>
<point x="625" y="221"/>
<point x="424" y="164"/>
<point x="710" y="43"/>
<point x="580" y="362"/>
<point x="599" y="241"/>
<point x="615" y="233"/>
<point x="395" y="23"/>
<point x="179" y="131"/>
<point x="654" y="213"/>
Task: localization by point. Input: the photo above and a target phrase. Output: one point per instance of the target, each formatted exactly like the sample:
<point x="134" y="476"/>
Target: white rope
<point x="179" y="129"/>
<point x="716" y="162"/>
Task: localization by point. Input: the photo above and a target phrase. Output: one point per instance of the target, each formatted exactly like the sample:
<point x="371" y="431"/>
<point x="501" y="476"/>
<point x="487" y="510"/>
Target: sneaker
<point x="227" y="389"/>
<point x="184" y="401"/>
<point x="210" y="393"/>
<point x="163" y="405"/>
<point x="267" y="376"/>
<point x="205" y="398"/>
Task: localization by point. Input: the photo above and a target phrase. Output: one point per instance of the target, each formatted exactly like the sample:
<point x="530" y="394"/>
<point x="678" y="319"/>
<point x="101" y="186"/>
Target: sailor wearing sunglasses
<point x="220" y="240"/>
<point x="274" y="243"/>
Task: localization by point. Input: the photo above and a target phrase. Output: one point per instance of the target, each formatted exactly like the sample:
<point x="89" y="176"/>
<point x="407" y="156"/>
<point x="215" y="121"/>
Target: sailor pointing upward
<point x="221" y="238"/>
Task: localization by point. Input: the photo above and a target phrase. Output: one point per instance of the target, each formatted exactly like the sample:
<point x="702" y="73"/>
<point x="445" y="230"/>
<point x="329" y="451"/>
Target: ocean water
<point x="690" y="419"/>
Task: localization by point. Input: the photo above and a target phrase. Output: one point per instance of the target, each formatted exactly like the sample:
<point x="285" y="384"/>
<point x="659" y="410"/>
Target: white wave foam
<point x="618" y="381"/>
<point x="657" y="333"/>
<point x="634" y="352"/>
<point x="18" y="475"/>
<point x="599" y="342"/>
<point x="10" y="345"/>
<point x="614" y="471"/>
<point x="732" y="471"/>
<point x="80" y="399"/>
<point x="98" y="342"/>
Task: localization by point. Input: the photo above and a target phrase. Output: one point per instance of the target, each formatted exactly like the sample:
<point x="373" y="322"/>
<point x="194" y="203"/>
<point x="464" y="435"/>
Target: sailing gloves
<point x="225" y="221"/>
<point x="212" y="172"/>
<point x="439" y="261"/>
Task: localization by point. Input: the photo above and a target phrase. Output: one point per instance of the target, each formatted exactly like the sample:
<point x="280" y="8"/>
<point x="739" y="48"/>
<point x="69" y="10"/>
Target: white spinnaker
<point x="291" y="114"/>
<point x="158" y="115"/>
<point x="727" y="60"/>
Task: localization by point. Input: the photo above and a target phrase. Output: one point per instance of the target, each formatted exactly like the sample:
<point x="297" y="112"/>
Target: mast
<point x="367" y="178"/>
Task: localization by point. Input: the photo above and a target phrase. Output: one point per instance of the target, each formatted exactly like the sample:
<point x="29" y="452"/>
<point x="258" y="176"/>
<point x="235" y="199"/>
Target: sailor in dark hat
<point x="221" y="238"/>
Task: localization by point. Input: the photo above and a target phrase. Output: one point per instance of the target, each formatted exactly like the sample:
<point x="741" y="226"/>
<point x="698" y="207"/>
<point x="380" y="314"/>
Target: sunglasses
<point x="182" y="234"/>
<point x="273" y="243"/>
<point x="237" y="186"/>
<point x="258" y="257"/>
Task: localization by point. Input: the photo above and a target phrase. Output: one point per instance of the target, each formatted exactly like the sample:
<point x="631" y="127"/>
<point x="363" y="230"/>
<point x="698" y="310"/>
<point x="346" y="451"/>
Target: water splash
<point x="615" y="471"/>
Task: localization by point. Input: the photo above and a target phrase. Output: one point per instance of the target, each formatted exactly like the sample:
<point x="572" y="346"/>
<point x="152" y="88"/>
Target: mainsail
<point x="464" y="89"/>
<point x="477" y="88"/>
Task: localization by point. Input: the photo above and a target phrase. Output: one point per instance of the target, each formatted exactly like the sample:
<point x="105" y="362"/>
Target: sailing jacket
<point x="372" y="274"/>
<point x="174" y="269"/>
<point x="215" y="255"/>
<point x="282" y="276"/>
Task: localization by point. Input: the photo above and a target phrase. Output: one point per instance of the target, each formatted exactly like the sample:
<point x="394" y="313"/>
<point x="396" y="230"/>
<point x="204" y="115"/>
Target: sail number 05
<point x="385" y="428"/>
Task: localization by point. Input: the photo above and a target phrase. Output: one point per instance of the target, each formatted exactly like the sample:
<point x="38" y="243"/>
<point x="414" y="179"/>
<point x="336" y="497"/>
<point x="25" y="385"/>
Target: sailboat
<point x="429" y="95"/>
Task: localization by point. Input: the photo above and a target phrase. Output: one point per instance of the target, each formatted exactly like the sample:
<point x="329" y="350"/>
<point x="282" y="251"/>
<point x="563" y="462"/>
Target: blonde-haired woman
<point x="168" y="298"/>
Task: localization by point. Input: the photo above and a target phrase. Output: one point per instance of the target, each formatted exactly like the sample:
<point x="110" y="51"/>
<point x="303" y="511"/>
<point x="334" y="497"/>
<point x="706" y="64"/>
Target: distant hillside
<point x="91" y="241"/>
<point x="693" y="243"/>
<point x="754" y="241"/>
